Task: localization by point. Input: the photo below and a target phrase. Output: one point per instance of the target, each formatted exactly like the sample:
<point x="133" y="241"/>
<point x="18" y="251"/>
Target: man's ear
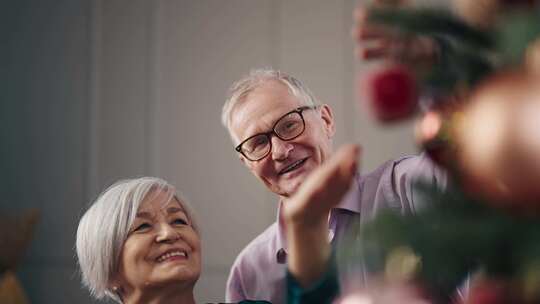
<point x="328" y="119"/>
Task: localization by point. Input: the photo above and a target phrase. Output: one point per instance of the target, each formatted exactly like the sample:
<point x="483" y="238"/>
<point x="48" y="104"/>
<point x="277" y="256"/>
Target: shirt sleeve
<point x="235" y="290"/>
<point x="405" y="174"/>
<point x="392" y="186"/>
<point x="323" y="291"/>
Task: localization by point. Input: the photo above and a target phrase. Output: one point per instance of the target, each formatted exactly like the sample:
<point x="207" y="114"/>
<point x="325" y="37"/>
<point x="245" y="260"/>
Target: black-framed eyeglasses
<point x="287" y="127"/>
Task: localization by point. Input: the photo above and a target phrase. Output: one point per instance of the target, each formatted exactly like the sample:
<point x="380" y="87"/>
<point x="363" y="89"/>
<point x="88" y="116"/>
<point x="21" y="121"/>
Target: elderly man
<point x="282" y="133"/>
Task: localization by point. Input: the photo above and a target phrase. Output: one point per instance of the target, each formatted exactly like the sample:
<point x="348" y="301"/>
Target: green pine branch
<point x="467" y="54"/>
<point x="432" y="22"/>
<point x="454" y="236"/>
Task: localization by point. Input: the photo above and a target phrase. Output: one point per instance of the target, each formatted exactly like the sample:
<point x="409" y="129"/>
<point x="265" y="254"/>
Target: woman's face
<point x="161" y="248"/>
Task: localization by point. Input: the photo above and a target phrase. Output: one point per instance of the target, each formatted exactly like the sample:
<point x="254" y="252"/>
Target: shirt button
<point x="281" y="256"/>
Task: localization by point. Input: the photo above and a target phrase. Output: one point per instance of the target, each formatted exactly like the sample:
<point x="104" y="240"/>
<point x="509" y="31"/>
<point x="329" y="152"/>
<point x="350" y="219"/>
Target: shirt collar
<point x="351" y="201"/>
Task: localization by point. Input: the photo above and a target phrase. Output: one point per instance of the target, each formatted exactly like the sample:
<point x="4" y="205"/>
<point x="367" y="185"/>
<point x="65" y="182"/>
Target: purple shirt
<point x="258" y="272"/>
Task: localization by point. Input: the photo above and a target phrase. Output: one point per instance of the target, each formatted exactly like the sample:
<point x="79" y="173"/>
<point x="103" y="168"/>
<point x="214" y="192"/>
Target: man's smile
<point x="292" y="166"/>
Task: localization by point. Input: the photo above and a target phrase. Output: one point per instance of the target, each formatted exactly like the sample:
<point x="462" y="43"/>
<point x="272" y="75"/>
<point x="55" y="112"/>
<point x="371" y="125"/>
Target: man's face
<point x="289" y="162"/>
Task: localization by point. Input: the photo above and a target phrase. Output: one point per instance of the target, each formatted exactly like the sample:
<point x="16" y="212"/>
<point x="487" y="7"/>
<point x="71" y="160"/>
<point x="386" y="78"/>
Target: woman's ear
<point x="117" y="289"/>
<point x="115" y="285"/>
<point x="328" y="120"/>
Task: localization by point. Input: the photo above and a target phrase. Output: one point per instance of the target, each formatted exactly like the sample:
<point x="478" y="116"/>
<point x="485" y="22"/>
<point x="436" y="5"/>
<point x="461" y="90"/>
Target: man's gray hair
<point x="240" y="89"/>
<point x="105" y="226"/>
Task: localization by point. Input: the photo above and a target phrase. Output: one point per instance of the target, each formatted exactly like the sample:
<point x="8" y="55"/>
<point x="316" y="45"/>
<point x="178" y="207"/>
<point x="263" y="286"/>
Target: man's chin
<point x="286" y="186"/>
<point x="290" y="188"/>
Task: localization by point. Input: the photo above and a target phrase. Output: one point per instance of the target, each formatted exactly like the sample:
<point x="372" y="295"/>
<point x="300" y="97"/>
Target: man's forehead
<point x="260" y="108"/>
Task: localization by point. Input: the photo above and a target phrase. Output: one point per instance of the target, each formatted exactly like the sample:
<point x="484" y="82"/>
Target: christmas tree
<point x="478" y="103"/>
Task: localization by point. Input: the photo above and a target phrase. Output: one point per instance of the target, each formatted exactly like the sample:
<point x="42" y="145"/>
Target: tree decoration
<point x="434" y="131"/>
<point x="489" y="291"/>
<point x="486" y="133"/>
<point x="499" y="140"/>
<point x="532" y="57"/>
<point x="384" y="292"/>
<point x="481" y="13"/>
<point x="485" y="13"/>
<point x="390" y="92"/>
<point x="454" y="237"/>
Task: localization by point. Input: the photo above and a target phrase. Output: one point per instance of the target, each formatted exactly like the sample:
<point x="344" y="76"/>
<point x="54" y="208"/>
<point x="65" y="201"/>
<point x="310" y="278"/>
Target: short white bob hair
<point x="104" y="228"/>
<point x="240" y="89"/>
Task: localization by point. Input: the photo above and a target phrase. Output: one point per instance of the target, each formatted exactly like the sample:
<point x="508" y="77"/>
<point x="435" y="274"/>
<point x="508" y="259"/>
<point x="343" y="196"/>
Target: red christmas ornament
<point x="390" y="92"/>
<point x="490" y="292"/>
<point x="497" y="290"/>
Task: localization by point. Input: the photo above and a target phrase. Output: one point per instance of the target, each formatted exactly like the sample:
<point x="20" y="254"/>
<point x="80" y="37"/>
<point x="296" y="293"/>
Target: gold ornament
<point x="484" y="13"/>
<point x="479" y="13"/>
<point x="402" y="264"/>
<point x="498" y="140"/>
<point x="532" y="57"/>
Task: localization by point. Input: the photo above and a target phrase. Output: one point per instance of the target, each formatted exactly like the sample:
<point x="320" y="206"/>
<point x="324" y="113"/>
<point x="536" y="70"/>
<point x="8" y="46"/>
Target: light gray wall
<point x="43" y="134"/>
<point x="94" y="91"/>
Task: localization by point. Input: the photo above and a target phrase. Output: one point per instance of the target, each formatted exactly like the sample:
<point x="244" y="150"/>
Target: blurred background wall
<point x="97" y="90"/>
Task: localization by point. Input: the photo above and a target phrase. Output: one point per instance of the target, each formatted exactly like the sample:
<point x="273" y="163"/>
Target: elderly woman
<point x="139" y="242"/>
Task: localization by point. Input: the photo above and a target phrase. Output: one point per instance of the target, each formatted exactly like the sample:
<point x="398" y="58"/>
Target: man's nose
<point x="166" y="233"/>
<point x="280" y="148"/>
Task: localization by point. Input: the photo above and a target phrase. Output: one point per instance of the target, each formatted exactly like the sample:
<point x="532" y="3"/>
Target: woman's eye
<point x="180" y="221"/>
<point x="142" y="226"/>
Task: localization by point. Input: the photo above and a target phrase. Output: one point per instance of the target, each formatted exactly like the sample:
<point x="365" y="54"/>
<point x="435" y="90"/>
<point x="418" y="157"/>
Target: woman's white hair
<point x="240" y="89"/>
<point x="104" y="228"/>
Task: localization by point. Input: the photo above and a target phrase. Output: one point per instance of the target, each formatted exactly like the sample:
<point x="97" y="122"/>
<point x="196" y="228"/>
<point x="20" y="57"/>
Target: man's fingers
<point x="373" y="41"/>
<point x="334" y="177"/>
<point x="345" y="161"/>
<point x="373" y="53"/>
<point x="376" y="49"/>
<point x="360" y="14"/>
<point x="329" y="180"/>
<point x="324" y="188"/>
<point x="342" y="164"/>
<point x="362" y="33"/>
<point x="362" y="29"/>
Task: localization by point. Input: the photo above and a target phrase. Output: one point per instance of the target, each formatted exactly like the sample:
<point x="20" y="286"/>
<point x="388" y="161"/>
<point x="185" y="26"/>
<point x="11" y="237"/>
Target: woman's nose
<point x="167" y="233"/>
